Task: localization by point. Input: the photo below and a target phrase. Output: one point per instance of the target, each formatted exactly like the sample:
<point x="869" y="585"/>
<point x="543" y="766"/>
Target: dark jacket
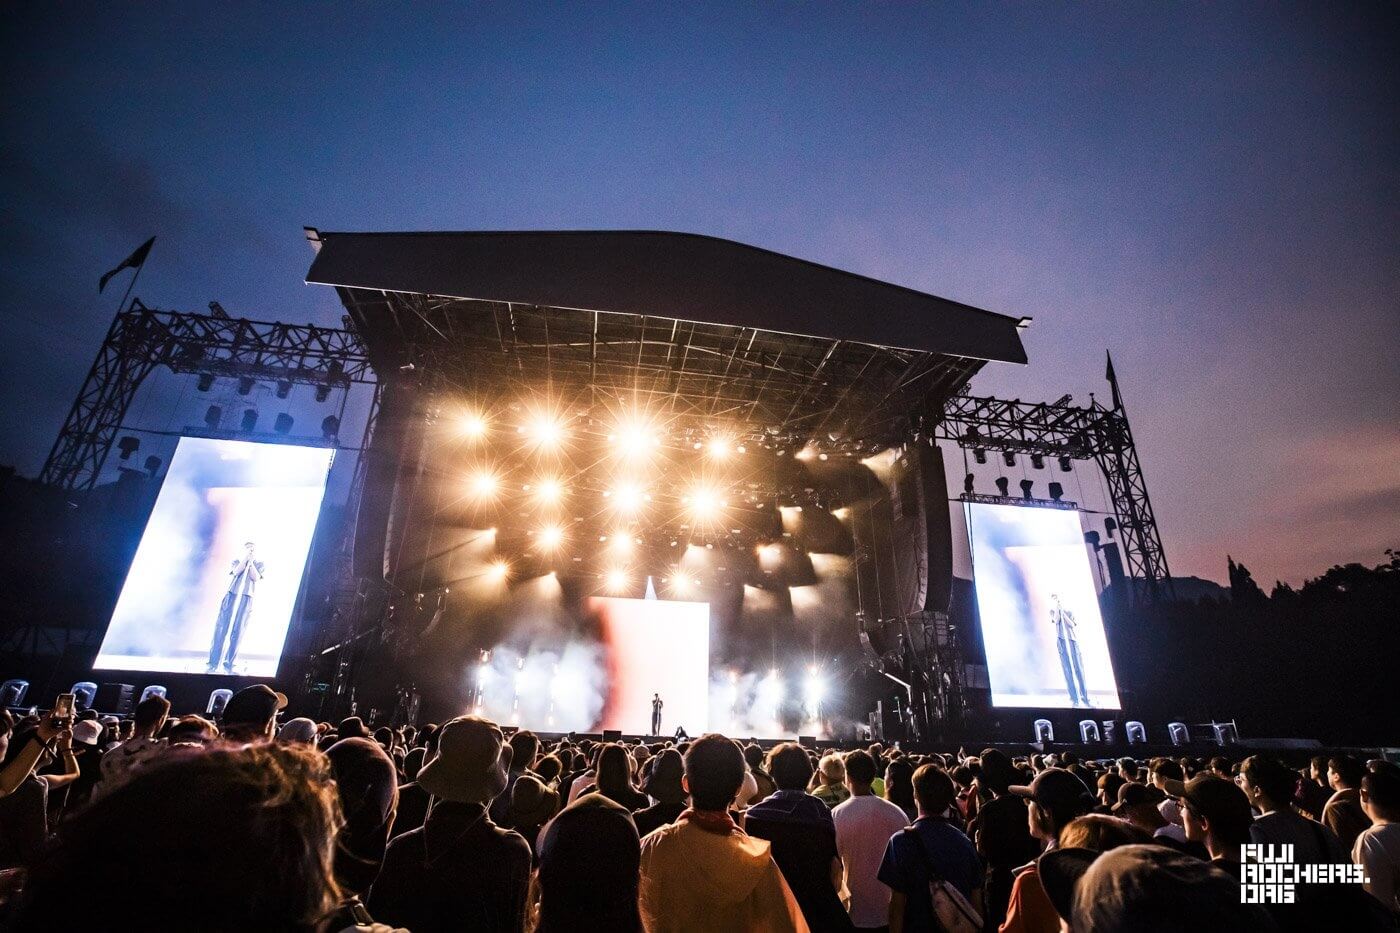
<point x="803" y="835"/>
<point x="460" y="871"/>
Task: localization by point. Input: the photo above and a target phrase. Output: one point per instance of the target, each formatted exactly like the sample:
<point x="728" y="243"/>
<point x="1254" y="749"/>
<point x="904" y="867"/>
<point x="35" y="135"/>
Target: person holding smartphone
<point x="44" y="737"/>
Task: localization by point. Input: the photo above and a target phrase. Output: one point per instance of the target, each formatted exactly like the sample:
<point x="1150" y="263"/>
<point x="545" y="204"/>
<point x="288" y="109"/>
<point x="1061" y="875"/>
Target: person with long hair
<point x="224" y="839"/>
<point x="614" y="779"/>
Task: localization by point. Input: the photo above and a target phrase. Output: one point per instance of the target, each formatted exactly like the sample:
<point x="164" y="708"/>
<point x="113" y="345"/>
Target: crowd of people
<point x="254" y="823"/>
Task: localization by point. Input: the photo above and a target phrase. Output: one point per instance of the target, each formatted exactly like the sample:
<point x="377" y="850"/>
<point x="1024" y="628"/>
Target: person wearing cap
<point x="251" y="714"/>
<point x="1217" y="815"/>
<point x="532" y="804"/>
<point x="663" y="785"/>
<point x="87" y="750"/>
<point x="831" y="781"/>
<point x="590" y="861"/>
<point x="1056" y="797"/>
<point x="298" y="731"/>
<point x="703" y="872"/>
<point x="1139" y="805"/>
<point x="459" y="870"/>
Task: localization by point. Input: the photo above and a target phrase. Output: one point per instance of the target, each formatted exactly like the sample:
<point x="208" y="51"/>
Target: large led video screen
<point x="654" y="648"/>
<point x="215" y="578"/>
<point x="1039" y="609"/>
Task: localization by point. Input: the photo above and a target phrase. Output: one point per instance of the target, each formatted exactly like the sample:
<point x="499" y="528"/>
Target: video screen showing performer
<point x="214" y="582"/>
<point x="1039" y="609"/>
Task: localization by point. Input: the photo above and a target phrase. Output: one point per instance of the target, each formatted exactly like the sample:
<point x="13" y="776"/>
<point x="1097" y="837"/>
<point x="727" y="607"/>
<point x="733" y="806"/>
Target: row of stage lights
<point x="636" y="438"/>
<point x="703" y="506"/>
<point x="618" y="577"/>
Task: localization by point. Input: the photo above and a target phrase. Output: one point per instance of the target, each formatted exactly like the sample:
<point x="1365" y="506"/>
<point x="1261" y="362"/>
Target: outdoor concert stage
<point x="602" y="466"/>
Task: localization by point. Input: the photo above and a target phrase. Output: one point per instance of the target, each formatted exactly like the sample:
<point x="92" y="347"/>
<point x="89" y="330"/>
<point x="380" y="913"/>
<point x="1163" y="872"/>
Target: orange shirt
<point x="1030" y="910"/>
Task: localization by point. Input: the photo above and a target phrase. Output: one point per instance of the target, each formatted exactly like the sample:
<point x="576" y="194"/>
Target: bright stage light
<point x="814" y="689"/>
<point x="635" y="437"/>
<point x="770" y="553"/>
<point x="627" y="498"/>
<point x="617" y="581"/>
<point x="473" y="426"/>
<point x="620" y="543"/>
<point x="545" y="431"/>
<point x="483" y="484"/>
<point x="704" y="503"/>
<point x="551" y="536"/>
<point x="680" y="584"/>
<point x="549" y="491"/>
<point x="806" y="453"/>
<point x="719" y="447"/>
<point x="499" y="570"/>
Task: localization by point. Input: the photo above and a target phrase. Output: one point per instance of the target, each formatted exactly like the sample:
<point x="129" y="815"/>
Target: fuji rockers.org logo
<point x="1270" y="875"/>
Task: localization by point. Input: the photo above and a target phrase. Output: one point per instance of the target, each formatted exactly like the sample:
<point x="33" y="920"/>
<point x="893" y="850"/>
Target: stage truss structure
<point x="784" y="388"/>
<point x="1057" y="430"/>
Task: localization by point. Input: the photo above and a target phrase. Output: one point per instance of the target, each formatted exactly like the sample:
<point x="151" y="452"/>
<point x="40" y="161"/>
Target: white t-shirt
<point x="864" y="826"/>
<point x="1377" y="850"/>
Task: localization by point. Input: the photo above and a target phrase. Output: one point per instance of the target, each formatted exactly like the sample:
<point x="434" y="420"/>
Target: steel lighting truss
<point x="143" y="338"/>
<point x="782" y="388"/>
<point x="1059" y="429"/>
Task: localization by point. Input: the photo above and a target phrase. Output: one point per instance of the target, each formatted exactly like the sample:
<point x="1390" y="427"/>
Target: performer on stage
<point x="234" y="610"/>
<point x="1067" y="637"/>
<point x="656" y="705"/>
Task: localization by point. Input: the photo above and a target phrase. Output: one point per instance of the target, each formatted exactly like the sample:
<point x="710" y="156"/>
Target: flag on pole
<point x="134" y="261"/>
<point x="1113" y="383"/>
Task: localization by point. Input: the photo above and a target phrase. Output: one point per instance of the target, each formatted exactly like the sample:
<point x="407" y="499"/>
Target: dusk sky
<point x="1210" y="191"/>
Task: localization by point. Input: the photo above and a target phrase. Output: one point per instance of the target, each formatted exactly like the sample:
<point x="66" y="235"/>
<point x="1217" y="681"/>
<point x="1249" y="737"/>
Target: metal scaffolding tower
<point x="143" y="338"/>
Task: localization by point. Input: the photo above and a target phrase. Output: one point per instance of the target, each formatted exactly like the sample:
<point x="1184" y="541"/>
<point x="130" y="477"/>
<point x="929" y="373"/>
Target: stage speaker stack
<point x="612" y="735"/>
<point x="114" y="699"/>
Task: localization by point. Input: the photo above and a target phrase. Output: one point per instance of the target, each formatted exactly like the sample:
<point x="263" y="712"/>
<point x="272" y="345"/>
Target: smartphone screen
<point x="63" y="706"/>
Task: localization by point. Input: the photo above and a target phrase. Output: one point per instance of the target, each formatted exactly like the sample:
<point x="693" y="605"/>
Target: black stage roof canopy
<point x="684" y="276"/>
<point x="715" y="327"/>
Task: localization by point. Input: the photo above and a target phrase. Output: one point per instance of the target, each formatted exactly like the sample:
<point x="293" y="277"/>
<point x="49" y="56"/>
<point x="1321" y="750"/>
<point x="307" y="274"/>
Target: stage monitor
<point x="1039" y="609"/>
<point x="654" y="646"/>
<point x="216" y="574"/>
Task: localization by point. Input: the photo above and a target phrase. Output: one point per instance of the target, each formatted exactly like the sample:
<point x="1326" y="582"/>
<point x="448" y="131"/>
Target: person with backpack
<point x="931" y="867"/>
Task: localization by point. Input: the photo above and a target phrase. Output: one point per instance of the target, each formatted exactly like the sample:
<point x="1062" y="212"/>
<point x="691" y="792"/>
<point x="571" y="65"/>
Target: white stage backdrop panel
<point x="1039" y="609"/>
<point x="198" y="598"/>
<point x="654" y="646"/>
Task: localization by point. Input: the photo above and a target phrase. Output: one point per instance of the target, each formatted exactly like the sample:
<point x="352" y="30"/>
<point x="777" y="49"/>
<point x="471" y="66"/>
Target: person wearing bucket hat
<point x="532" y="804"/>
<point x="459" y="869"/>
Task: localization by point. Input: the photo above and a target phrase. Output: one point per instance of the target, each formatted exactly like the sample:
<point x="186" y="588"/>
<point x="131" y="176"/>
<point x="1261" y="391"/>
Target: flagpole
<point x="130" y="285"/>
